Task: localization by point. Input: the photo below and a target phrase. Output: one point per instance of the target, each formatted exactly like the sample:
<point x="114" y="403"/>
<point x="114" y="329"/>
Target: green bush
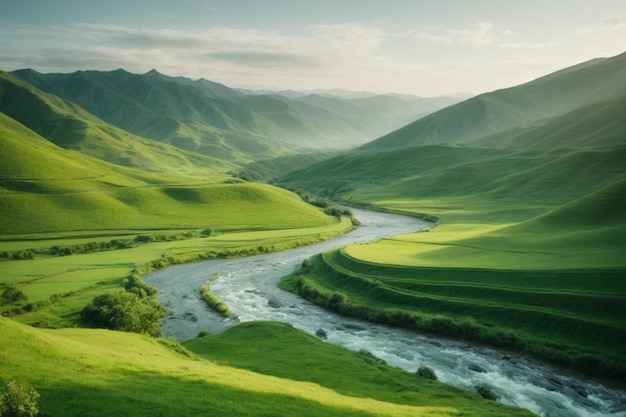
<point x="13" y="294"/>
<point x="18" y="401"/>
<point x="125" y="311"/>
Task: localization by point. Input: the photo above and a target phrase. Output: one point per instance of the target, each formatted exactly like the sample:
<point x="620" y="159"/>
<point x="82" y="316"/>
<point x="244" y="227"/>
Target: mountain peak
<point x="153" y="72"/>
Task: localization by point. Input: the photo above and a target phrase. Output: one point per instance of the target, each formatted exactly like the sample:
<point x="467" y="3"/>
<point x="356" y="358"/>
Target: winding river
<point x="248" y="286"/>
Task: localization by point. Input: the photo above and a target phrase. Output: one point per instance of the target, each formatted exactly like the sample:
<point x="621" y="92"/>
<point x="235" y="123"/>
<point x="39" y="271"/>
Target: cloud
<point x="609" y="24"/>
<point x="265" y="59"/>
<point x="483" y="34"/>
<point x="529" y="45"/>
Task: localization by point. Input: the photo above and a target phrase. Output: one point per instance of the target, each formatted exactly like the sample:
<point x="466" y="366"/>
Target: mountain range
<point x="229" y="124"/>
<point x="552" y="141"/>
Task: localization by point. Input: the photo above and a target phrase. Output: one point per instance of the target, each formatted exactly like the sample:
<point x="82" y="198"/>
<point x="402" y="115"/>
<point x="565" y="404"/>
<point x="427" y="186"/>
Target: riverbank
<point x="249" y="287"/>
<point x="454" y="303"/>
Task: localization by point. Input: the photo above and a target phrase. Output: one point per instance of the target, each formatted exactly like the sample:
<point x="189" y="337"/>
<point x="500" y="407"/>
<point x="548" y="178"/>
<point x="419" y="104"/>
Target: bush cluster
<point x="125" y="311"/>
<point x="132" y="309"/>
<point x="17" y="400"/>
<point x="20" y="255"/>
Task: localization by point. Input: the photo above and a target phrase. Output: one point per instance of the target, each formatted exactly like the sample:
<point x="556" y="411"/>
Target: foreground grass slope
<point x="301" y="357"/>
<point x="82" y="372"/>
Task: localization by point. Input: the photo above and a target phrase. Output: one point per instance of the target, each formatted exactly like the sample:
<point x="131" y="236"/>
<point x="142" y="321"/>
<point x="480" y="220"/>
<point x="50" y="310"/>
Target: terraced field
<point x="574" y="317"/>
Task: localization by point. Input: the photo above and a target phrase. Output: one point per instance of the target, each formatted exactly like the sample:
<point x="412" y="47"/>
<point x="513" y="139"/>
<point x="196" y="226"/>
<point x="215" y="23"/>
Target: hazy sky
<point x="404" y="46"/>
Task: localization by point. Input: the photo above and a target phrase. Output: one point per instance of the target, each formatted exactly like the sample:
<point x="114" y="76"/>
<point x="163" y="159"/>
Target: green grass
<point x="284" y="352"/>
<point x="83" y="372"/>
<point x="527" y="252"/>
<point x="574" y="317"/>
<point x="79" y="277"/>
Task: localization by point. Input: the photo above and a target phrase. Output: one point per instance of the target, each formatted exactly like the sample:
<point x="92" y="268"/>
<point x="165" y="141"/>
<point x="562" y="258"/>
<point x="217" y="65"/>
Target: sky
<point x="420" y="47"/>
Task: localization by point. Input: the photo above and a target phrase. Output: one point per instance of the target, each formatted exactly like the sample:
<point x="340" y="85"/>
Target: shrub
<point x="18" y="401"/>
<point x="13" y="294"/>
<point x="125" y="311"/>
<point x="426" y="373"/>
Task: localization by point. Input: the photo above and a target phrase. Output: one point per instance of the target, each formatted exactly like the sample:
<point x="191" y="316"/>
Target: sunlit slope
<point x="520" y="106"/>
<point x="70" y="127"/>
<point x="543" y="177"/>
<point x="222" y="206"/>
<point x="81" y="372"/>
<point x="45" y="188"/>
<point x="597" y="124"/>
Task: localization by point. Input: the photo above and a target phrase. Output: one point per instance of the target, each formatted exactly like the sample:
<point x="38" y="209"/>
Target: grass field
<point x="89" y="372"/>
<point x="573" y="317"/>
<point x="527" y="252"/>
<point x="74" y="280"/>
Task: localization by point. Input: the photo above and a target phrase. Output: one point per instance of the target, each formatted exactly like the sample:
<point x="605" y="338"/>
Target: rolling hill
<point x="71" y="127"/>
<point x="80" y="372"/>
<point x="46" y="188"/>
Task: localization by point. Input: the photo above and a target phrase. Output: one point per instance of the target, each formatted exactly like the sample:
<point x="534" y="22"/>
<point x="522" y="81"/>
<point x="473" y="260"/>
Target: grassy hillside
<point x="520" y="106"/>
<point x="104" y="373"/>
<point x="592" y="125"/>
<point x="284" y="352"/>
<point x="48" y="189"/>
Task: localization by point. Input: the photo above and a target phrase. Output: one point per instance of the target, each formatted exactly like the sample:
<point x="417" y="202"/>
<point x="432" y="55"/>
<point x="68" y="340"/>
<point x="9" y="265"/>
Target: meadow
<point x="71" y="281"/>
<point x="527" y="251"/>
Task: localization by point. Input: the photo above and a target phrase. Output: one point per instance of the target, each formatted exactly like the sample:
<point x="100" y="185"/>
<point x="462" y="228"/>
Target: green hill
<point x="80" y="372"/>
<point x="520" y="106"/>
<point x="69" y="126"/>
<point x="46" y="188"/>
<point x="597" y="124"/>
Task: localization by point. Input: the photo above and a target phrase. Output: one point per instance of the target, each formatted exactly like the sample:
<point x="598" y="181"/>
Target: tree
<point x="126" y="311"/>
<point x="18" y="401"/>
<point x="13" y="294"/>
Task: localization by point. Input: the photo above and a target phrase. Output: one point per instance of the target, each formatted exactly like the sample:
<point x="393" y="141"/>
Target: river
<point x="248" y="287"/>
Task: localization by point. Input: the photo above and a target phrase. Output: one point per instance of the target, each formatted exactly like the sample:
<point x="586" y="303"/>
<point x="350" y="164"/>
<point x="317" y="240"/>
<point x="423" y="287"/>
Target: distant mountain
<point x="225" y="123"/>
<point x="517" y="107"/>
<point x="71" y="127"/>
<point x="548" y="144"/>
<point x="597" y="124"/>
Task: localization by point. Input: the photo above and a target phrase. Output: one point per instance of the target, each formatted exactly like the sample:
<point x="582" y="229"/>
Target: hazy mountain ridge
<point x="517" y="107"/>
<point x="69" y="126"/>
<point x="563" y="139"/>
<point x="218" y="121"/>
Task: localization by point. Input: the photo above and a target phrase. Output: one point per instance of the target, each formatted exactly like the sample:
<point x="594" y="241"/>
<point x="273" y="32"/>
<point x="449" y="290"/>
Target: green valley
<point x="108" y="176"/>
<point x="527" y="252"/>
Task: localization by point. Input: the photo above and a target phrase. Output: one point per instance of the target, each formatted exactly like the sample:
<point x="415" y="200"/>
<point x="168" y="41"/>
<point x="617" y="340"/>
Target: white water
<point x="248" y="287"/>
